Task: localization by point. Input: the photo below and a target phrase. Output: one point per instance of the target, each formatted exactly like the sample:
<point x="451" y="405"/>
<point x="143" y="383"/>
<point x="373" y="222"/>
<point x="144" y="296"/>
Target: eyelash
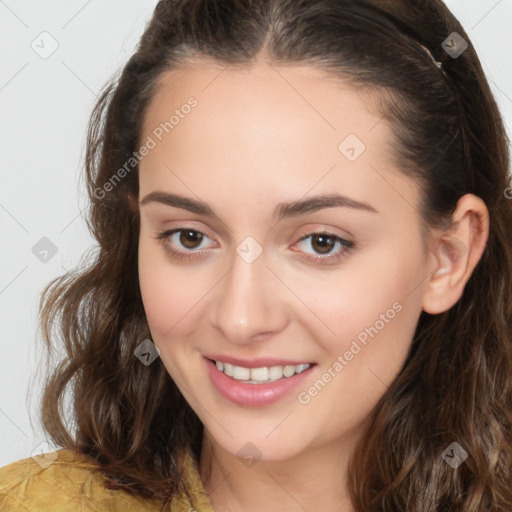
<point x="348" y="246"/>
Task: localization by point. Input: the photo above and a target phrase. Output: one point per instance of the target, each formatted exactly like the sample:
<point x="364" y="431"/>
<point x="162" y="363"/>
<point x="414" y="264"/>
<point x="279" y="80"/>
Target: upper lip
<point x="254" y="363"/>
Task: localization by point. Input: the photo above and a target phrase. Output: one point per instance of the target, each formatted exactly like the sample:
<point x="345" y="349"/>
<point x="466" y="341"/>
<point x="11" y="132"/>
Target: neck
<point x="314" y="480"/>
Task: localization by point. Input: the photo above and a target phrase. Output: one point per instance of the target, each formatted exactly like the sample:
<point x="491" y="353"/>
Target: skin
<point x="258" y="137"/>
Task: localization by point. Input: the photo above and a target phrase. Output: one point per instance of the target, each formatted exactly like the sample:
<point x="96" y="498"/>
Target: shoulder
<point x="60" y="481"/>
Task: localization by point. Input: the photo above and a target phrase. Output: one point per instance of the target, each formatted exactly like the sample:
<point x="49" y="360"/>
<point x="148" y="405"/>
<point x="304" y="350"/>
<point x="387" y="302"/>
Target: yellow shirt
<point x="72" y="483"/>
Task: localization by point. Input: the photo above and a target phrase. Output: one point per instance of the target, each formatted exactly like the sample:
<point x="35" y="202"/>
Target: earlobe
<point x="456" y="253"/>
<point x="446" y="284"/>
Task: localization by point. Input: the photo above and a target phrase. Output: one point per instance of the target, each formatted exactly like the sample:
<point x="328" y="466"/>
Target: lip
<point x="254" y="363"/>
<point x="253" y="395"/>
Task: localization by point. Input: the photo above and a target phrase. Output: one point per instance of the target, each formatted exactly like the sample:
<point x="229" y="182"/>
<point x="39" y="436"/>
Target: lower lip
<point x="253" y="395"/>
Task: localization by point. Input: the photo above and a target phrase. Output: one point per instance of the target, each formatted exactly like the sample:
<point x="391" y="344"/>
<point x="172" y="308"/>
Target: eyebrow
<point x="281" y="211"/>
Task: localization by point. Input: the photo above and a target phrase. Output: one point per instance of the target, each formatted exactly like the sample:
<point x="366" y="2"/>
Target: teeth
<point x="302" y="367"/>
<point x="228" y="369"/>
<point x="276" y="372"/>
<point x="240" y="373"/>
<point x="260" y="375"/>
<point x="288" y="371"/>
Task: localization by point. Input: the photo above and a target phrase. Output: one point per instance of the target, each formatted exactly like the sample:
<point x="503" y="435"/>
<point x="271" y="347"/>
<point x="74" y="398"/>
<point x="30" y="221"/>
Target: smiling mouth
<point x="261" y="375"/>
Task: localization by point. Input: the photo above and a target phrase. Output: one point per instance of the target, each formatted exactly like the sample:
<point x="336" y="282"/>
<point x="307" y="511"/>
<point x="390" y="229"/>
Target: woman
<point x="301" y="297"/>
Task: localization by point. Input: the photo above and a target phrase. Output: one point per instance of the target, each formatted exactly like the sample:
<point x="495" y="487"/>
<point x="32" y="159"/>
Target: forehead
<point x="264" y="99"/>
<point x="263" y="128"/>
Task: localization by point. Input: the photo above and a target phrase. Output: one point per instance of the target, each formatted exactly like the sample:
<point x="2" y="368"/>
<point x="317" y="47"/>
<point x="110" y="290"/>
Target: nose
<point x="249" y="304"/>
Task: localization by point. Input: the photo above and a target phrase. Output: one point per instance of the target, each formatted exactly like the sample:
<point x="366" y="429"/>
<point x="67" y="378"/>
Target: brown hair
<point x="456" y="384"/>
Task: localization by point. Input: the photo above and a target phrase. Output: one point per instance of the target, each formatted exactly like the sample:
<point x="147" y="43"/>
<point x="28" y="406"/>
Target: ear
<point x="455" y="253"/>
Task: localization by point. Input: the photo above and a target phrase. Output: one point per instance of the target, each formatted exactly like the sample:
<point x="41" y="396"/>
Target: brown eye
<point x="327" y="248"/>
<point x="184" y="243"/>
<point x="190" y="239"/>
<point x="322" y="243"/>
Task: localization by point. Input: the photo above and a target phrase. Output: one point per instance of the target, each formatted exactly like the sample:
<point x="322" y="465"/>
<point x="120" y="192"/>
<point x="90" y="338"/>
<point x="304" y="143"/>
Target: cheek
<point x="168" y="291"/>
<point x="368" y="312"/>
<point x="373" y="317"/>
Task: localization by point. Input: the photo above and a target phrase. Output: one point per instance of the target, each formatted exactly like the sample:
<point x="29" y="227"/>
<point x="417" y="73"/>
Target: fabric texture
<point x="66" y="480"/>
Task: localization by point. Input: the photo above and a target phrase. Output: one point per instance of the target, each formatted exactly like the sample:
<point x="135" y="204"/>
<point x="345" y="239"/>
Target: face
<point x="241" y="261"/>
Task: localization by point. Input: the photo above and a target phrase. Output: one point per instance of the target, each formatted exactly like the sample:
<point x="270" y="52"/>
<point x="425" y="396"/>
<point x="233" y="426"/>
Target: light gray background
<point x="45" y="104"/>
